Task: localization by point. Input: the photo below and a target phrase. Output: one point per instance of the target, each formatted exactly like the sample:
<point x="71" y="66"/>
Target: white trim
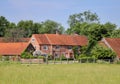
<point x="104" y="40"/>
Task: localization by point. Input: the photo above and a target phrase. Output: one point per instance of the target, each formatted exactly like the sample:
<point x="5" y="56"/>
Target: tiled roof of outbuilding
<point x="12" y="48"/>
<point x="114" y="43"/>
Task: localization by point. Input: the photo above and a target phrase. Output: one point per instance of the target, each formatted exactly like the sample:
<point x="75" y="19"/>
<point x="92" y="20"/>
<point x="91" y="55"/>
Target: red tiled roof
<point x="114" y="43"/>
<point x="57" y="39"/>
<point x="12" y="48"/>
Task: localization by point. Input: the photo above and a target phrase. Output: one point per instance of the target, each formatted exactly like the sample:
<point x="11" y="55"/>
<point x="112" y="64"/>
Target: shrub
<point x="103" y="53"/>
<point x="41" y="57"/>
<point x="84" y="58"/>
<point x="63" y="57"/>
<point x="6" y="58"/>
<point x="26" y="55"/>
<point x="0" y="58"/>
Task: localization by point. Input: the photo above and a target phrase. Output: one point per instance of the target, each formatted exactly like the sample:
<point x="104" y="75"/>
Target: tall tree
<point x="14" y="35"/>
<point x="3" y="25"/>
<point x="109" y="27"/>
<point x="87" y="23"/>
<point x="116" y="33"/>
<point x="12" y="25"/>
<point x="26" y="26"/>
<point x="86" y="16"/>
<point x="50" y="26"/>
<point x="36" y="27"/>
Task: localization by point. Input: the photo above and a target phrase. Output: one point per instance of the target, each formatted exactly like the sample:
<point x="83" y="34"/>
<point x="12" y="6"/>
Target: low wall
<point x="32" y="61"/>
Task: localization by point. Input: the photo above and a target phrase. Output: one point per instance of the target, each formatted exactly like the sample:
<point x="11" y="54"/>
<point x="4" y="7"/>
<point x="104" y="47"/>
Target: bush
<point x="84" y="58"/>
<point x="6" y="58"/>
<point x="63" y="57"/>
<point x="41" y="57"/>
<point x="103" y="53"/>
<point x="26" y="55"/>
<point x="103" y="62"/>
<point x="0" y="58"/>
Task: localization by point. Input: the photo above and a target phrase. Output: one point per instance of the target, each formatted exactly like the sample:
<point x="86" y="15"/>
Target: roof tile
<point x="114" y="44"/>
<point x="57" y="39"/>
<point x="12" y="48"/>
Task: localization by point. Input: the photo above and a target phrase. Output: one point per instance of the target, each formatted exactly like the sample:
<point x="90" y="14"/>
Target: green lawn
<point x="59" y="74"/>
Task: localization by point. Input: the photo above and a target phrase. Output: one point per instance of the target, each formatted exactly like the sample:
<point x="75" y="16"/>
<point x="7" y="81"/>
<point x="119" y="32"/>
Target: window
<point x="57" y="47"/>
<point x="45" y="47"/>
<point x="33" y="39"/>
<point x="69" y="47"/>
<point x="56" y="55"/>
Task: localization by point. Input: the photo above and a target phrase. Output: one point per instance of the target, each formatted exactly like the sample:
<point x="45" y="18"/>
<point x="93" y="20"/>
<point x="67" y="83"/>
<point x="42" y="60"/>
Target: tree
<point x="87" y="23"/>
<point x="109" y="28"/>
<point x="116" y="33"/>
<point x="14" y="35"/>
<point x="26" y="26"/>
<point x="3" y="25"/>
<point x="103" y="53"/>
<point x="50" y="26"/>
<point x="36" y="27"/>
<point x="12" y="25"/>
<point x="86" y="16"/>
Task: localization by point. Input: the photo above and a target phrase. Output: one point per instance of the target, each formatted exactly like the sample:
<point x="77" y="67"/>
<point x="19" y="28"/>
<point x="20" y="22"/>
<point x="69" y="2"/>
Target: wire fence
<point x="61" y="61"/>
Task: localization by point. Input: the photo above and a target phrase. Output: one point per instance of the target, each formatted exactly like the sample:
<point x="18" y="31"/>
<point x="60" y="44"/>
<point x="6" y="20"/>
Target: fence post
<point x="61" y="60"/>
<point x="87" y="60"/>
<point x="80" y="60"/>
<point x="54" y="60"/>
<point x="67" y="61"/>
<point x="46" y="60"/>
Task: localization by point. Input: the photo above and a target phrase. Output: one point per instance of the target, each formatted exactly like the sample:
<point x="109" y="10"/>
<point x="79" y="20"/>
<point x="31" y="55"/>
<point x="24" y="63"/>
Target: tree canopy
<point x="88" y="24"/>
<point x="25" y="28"/>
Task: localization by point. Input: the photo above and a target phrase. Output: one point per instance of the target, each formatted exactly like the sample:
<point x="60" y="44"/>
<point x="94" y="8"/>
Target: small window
<point x="56" y="55"/>
<point x="57" y="47"/>
<point x="33" y="39"/>
<point x="45" y="47"/>
<point x="69" y="47"/>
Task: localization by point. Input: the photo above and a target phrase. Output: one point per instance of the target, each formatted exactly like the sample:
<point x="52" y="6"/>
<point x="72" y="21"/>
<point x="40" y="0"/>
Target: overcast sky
<point x="59" y="10"/>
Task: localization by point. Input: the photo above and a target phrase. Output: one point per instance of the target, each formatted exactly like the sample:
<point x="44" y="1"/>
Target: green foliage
<point x="12" y="35"/>
<point x="86" y="16"/>
<point x="26" y="55"/>
<point x="50" y="26"/>
<point x="63" y="57"/>
<point x="6" y="58"/>
<point x="41" y="57"/>
<point x="103" y="53"/>
<point x="116" y="33"/>
<point x="0" y="57"/>
<point x="3" y="25"/>
<point x="84" y="59"/>
<point x="87" y="23"/>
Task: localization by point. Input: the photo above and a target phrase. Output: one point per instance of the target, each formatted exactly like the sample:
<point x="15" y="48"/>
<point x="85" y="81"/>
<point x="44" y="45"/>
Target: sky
<point x="59" y="10"/>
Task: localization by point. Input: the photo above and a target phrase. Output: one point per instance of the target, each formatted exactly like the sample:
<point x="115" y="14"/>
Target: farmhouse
<point x="14" y="50"/>
<point x="113" y="43"/>
<point x="58" y="44"/>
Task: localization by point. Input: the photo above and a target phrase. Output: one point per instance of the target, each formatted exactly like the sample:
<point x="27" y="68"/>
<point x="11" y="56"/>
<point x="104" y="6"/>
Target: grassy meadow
<point x="59" y="73"/>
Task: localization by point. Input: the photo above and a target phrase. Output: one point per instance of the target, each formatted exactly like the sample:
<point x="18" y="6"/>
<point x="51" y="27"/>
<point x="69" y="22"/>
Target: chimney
<point x="56" y="32"/>
<point x="75" y="33"/>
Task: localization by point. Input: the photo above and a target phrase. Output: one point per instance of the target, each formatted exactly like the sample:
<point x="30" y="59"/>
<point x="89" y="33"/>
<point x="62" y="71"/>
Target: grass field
<point x="59" y="74"/>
